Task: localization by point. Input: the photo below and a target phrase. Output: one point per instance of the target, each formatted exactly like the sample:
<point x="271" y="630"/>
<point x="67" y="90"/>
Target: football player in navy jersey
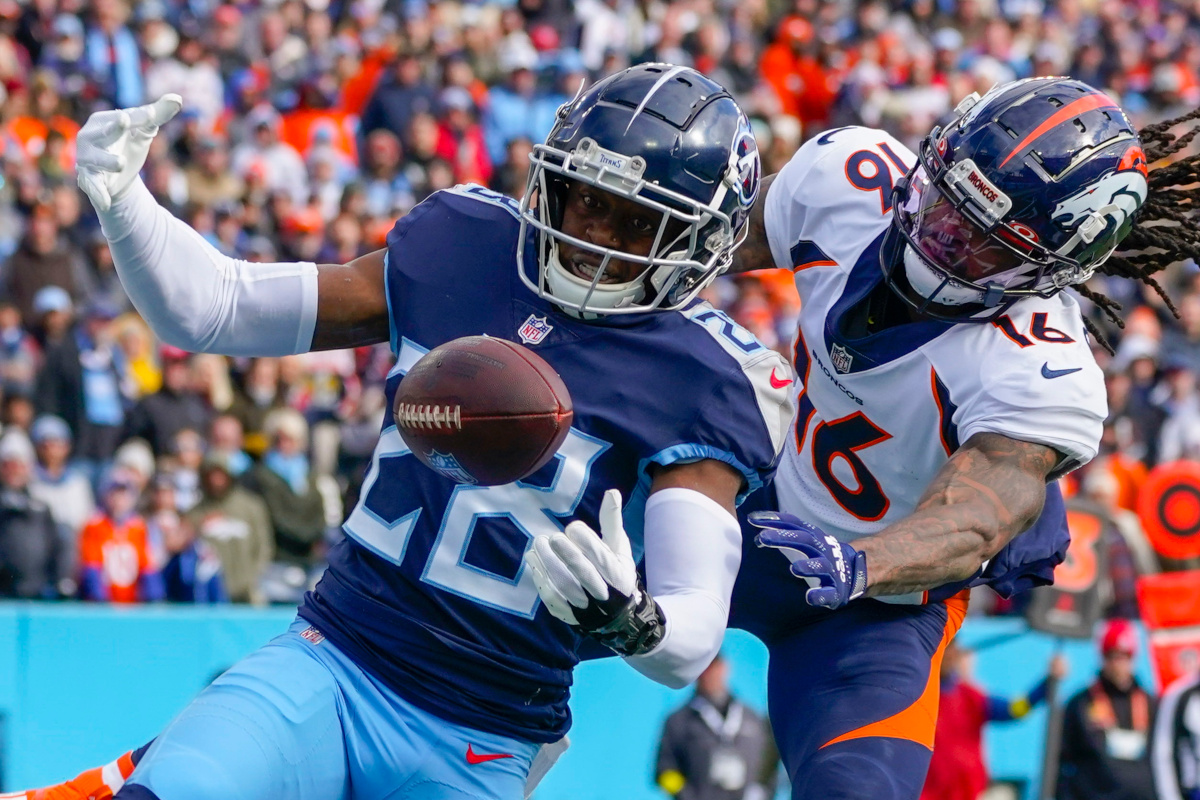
<point x="944" y="382"/>
<point x="426" y="662"/>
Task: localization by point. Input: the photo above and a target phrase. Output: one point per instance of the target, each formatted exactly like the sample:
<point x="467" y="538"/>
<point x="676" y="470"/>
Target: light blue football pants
<point x="298" y="720"/>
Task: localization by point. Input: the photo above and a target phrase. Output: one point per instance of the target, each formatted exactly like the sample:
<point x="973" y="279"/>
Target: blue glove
<point x="836" y="573"/>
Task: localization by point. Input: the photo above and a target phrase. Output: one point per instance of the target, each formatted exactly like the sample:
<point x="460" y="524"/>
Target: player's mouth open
<point x="581" y="268"/>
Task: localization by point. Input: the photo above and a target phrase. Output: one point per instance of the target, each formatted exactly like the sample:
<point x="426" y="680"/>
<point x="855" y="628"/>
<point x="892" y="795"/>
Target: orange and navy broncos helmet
<point x="1026" y="192"/>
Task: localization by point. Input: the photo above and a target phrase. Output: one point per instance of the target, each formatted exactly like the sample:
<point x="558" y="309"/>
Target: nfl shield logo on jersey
<point x="840" y="358"/>
<point x="534" y="330"/>
<point x="448" y="465"/>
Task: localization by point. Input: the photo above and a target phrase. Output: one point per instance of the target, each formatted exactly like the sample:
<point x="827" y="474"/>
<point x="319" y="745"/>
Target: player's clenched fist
<point x="836" y="573"/>
<point x="592" y="582"/>
<point x="112" y="146"/>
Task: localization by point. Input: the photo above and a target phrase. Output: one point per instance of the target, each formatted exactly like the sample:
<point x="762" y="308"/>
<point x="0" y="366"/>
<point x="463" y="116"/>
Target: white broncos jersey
<point x="878" y="415"/>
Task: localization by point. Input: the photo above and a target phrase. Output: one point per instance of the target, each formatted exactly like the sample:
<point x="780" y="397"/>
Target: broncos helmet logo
<point x="1117" y="195"/>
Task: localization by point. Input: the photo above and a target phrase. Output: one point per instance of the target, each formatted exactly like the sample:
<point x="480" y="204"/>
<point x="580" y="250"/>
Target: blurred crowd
<point x="131" y="471"/>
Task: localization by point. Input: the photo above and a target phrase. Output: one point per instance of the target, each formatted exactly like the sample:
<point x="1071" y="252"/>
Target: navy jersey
<point x="428" y="590"/>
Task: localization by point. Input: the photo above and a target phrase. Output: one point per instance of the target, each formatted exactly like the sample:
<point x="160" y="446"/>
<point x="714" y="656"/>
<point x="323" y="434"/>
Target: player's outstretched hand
<point x="111" y="148"/>
<point x="836" y="573"/>
<point x="592" y="583"/>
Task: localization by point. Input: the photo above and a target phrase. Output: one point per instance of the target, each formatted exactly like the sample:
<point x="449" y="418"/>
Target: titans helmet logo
<point x="745" y="162"/>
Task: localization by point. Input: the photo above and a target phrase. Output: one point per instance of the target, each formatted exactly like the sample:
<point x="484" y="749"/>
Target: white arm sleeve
<point x="693" y="551"/>
<point x="197" y="299"/>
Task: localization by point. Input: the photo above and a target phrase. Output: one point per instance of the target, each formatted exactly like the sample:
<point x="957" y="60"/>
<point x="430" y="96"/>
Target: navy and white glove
<point x="835" y="572"/>
<point x="592" y="584"/>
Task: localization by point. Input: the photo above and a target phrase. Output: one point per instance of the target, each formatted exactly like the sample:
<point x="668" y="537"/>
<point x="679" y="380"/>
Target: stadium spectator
<point x="387" y="189"/>
<point x="259" y="395"/>
<point x="286" y="483"/>
<point x="19" y="353"/>
<point x="281" y="165"/>
<point x="189" y="74"/>
<point x="511" y="175"/>
<point x="236" y="524"/>
<point x="191" y="569"/>
<point x="47" y="136"/>
<point x="460" y="137"/>
<point x="1106" y="726"/>
<point x="65" y="490"/>
<point x="1179" y="399"/>
<point x="516" y="109"/>
<point x="399" y="97"/>
<point x="45" y="258"/>
<point x="80" y="381"/>
<point x="62" y="53"/>
<point x="187" y="452"/>
<point x="957" y="770"/>
<point x="211" y="380"/>
<point x="225" y="436"/>
<point x="107" y="287"/>
<point x="1181" y="343"/>
<point x="715" y="747"/>
<point x="1132" y="555"/>
<point x="33" y="565"/>
<point x="116" y="562"/>
<point x="210" y="182"/>
<point x="158" y="417"/>
<point x="112" y="56"/>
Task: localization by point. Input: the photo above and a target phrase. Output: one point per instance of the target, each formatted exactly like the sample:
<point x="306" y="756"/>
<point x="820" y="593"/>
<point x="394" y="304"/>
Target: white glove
<point x="577" y="569"/>
<point x="112" y="146"/>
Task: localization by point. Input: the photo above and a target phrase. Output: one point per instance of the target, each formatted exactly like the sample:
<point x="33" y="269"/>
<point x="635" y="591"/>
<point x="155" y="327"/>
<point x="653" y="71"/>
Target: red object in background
<point x="1169" y="509"/>
<point x="300" y="129"/>
<point x="1175" y="652"/>
<point x="956" y="770"/>
<point x="1119" y="636"/>
<point x="1170" y="607"/>
<point x="1170" y="599"/>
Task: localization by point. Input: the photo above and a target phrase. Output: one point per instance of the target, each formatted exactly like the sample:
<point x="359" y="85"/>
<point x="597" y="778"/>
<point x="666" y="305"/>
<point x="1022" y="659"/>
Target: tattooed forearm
<point x="755" y="252"/>
<point x="987" y="493"/>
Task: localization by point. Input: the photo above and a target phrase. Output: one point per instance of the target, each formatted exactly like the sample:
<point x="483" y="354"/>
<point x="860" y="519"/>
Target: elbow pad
<point x="197" y="299"/>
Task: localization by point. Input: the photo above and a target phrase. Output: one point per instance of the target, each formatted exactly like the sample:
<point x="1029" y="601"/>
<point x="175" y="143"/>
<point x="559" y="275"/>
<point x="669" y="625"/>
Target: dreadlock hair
<point x="1166" y="229"/>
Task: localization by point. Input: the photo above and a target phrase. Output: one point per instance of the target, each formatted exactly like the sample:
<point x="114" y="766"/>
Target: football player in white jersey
<point x="944" y="382"/>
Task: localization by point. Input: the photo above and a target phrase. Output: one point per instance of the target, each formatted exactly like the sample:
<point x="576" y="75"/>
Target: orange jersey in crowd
<point x="118" y="553"/>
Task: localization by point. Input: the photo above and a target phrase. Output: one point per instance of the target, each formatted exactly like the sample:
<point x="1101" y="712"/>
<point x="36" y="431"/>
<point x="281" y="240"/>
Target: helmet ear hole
<point x="556" y="198"/>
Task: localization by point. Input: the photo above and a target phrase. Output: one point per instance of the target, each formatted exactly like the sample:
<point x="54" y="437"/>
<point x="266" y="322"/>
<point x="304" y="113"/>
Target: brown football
<point x="483" y="410"/>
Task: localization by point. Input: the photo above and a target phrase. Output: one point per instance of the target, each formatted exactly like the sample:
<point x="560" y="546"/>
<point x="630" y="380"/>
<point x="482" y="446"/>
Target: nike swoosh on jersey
<point x="483" y="758"/>
<point x="1056" y="373"/>
<point x="827" y="137"/>
<point x="777" y="382"/>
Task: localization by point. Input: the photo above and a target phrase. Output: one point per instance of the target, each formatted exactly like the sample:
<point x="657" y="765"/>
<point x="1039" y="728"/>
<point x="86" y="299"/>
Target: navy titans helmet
<point x="1028" y="191"/>
<point x="665" y="137"/>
